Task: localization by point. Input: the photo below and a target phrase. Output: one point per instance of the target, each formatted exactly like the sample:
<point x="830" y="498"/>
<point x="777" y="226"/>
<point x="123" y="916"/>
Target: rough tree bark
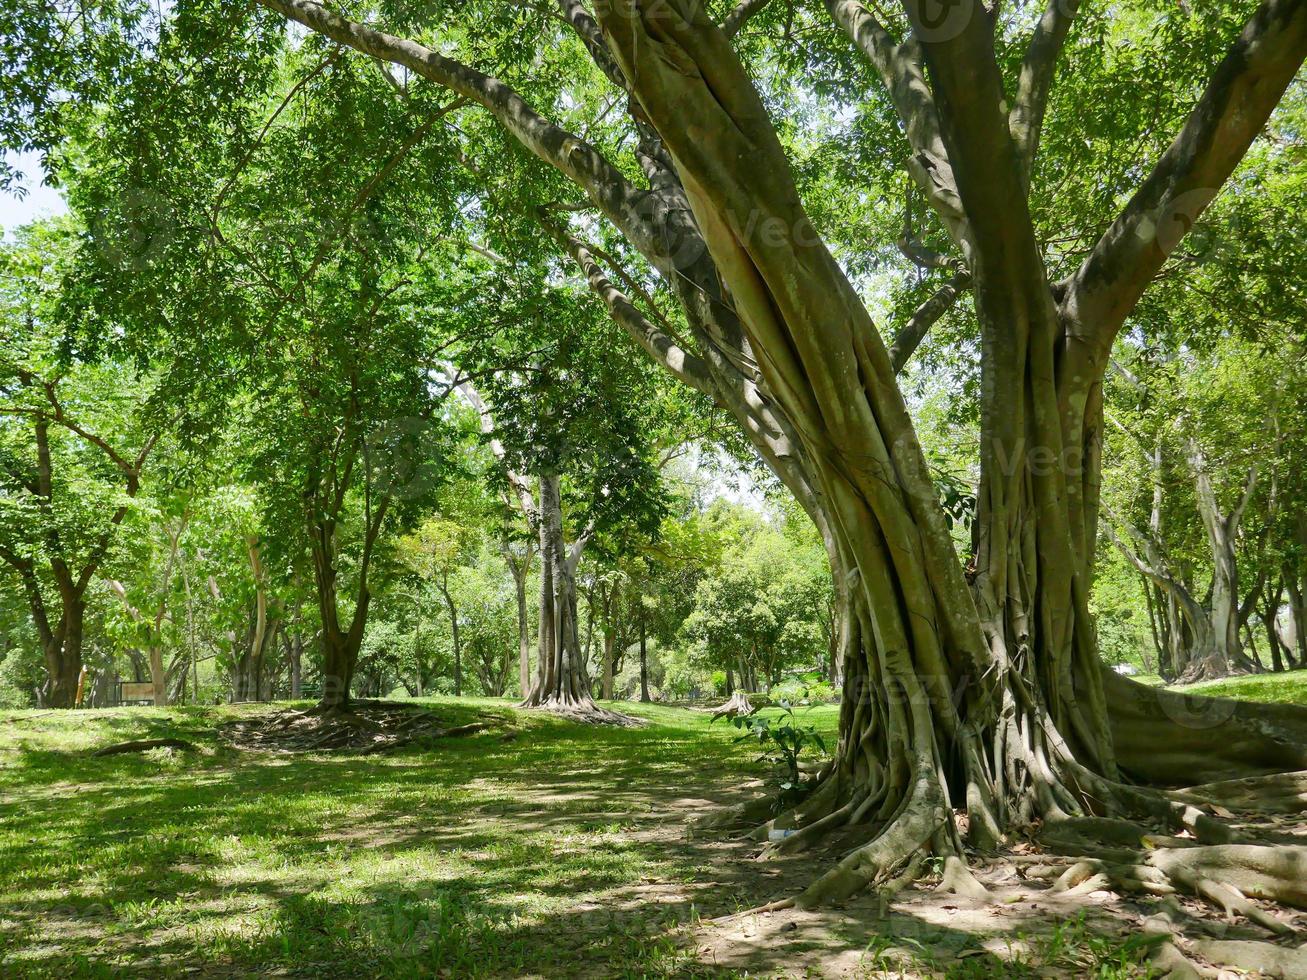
<point x="992" y="696"/>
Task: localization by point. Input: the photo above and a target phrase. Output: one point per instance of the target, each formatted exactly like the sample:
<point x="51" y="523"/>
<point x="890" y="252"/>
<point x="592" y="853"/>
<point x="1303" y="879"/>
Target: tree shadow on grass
<point x="563" y="852"/>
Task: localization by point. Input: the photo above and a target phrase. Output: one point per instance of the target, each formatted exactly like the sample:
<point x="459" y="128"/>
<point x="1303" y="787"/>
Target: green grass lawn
<point x="539" y="847"/>
<point x="1289" y="687"/>
<point x="476" y="856"/>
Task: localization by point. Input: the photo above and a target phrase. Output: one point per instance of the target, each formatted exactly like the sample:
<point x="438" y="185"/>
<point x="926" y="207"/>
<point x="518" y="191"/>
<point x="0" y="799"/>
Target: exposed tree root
<point x="144" y="745"/>
<point x="1263" y="958"/>
<point x="365" y="727"/>
<point x="959" y="880"/>
<point x="1276" y="793"/>
<point x="585" y="711"/>
<point x="737" y="706"/>
<point x="1174" y="845"/>
<point x="1166" y="737"/>
<point x="1168" y="960"/>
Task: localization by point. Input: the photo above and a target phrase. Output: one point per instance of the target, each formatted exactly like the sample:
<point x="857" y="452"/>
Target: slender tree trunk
<point x="1296" y="599"/>
<point x="523" y="640"/>
<point x="644" y="661"/>
<point x="340" y="645"/>
<point x="520" y="571"/>
<point x="610" y="639"/>
<point x="417" y="637"/>
<point x="454" y="634"/>
<point x="293" y="644"/>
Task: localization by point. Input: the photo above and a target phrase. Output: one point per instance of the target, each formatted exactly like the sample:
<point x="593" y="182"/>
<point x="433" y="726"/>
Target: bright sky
<point x="39" y="202"/>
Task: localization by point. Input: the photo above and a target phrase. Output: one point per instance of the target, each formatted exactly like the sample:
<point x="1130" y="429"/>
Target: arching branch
<point x="1027" y="116"/>
<point x="572" y="156"/>
<point x="740" y="15"/>
<point x="682" y="364"/>
<point x="902" y="71"/>
<point x="1242" y="93"/>
<point x="911" y="334"/>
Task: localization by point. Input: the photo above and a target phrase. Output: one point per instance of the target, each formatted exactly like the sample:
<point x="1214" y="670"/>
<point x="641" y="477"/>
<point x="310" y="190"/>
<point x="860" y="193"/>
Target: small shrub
<point x="782" y="741"/>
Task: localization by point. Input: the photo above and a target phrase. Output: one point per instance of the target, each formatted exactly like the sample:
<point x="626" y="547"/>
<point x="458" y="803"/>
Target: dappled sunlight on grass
<point x="1289" y="687"/>
<point x="476" y="855"/>
<point x="539" y="846"/>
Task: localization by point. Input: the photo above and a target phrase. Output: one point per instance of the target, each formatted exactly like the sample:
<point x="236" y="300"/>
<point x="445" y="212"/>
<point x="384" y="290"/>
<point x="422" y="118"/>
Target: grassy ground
<point x="540" y="847"/>
<point x="501" y="853"/>
<point x="1289" y="687"/>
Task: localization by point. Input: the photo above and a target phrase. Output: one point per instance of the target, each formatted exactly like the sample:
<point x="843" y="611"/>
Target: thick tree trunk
<point x="62" y="650"/>
<point x="340" y="645"/>
<point x="339" y="660"/>
<point x="988" y="697"/>
<point x="158" y="675"/>
<point x="63" y="666"/>
<point x="340" y="648"/>
<point x="560" y="682"/>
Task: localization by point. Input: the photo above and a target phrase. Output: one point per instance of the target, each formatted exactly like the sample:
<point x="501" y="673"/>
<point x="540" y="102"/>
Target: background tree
<point x="74" y="443"/>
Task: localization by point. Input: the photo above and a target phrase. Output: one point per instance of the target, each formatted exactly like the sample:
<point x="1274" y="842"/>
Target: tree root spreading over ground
<point x="145" y="745"/>
<point x="582" y="710"/>
<point x="1221" y="868"/>
<point x="738" y="704"/>
<point x="366" y="727"/>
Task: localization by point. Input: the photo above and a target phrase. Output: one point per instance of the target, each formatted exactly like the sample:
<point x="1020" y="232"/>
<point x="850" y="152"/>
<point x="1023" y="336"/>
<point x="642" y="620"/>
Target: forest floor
<point x="536" y="847"/>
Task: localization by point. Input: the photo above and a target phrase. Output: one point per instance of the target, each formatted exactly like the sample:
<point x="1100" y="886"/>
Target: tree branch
<point x="902" y="71"/>
<point x="969" y="99"/>
<point x="521" y="486"/>
<point x="568" y="153"/>
<point x="1027" y="116"/>
<point x="1242" y="93"/>
<point x="910" y="335"/>
<point x="741" y="15"/>
<point x="587" y="30"/>
<point x="680" y="363"/>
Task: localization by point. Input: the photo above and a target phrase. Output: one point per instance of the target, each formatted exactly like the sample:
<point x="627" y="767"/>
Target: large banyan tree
<point x="973" y="685"/>
<point x="972" y="688"/>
